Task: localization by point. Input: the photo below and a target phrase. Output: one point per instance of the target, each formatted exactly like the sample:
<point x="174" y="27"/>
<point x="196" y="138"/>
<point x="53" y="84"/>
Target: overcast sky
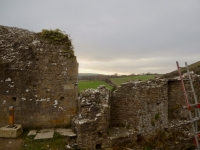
<point x="116" y="36"/>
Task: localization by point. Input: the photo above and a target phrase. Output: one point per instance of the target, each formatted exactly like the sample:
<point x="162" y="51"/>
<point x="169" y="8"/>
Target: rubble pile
<point x="92" y="120"/>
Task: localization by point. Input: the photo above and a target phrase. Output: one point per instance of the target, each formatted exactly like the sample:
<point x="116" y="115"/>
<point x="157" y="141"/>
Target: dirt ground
<point x="10" y="144"/>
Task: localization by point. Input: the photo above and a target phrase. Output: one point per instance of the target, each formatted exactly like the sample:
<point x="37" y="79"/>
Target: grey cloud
<point x="108" y="31"/>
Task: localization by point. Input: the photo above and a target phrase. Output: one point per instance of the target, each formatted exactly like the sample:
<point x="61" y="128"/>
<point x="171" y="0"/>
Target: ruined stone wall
<point x="140" y="112"/>
<point x="37" y="78"/>
<point x="176" y="97"/>
<point x="142" y="106"/>
<point x="92" y="121"/>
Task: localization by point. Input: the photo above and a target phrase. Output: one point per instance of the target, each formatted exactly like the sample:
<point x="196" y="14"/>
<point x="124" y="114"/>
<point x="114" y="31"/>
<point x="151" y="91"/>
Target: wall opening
<point x="140" y="139"/>
<point x="62" y="98"/>
<point x="98" y="146"/>
<point x="100" y="134"/>
<point x="14" y="99"/>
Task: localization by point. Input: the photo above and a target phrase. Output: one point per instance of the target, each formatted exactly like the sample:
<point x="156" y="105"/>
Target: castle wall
<point x="37" y="78"/>
<point x="176" y="98"/>
<point x="142" y="106"/>
<point x="92" y="121"/>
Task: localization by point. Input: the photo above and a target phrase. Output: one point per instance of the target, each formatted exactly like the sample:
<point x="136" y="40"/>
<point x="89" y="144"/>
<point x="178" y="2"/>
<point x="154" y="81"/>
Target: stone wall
<point x="142" y="106"/>
<point x="176" y="97"/>
<point x="139" y="112"/>
<point x="36" y="77"/>
<point x="92" y="121"/>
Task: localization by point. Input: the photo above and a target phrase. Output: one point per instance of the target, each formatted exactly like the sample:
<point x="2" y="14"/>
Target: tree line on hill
<point x="106" y="78"/>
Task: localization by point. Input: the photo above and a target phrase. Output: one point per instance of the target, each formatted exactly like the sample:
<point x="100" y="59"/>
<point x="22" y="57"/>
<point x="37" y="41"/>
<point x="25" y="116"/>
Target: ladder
<point x="194" y="117"/>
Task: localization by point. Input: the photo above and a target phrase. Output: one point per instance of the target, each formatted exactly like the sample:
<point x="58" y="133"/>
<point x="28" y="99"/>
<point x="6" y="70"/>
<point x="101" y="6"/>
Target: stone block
<point x="44" y="134"/>
<point x="65" y="132"/>
<point x="32" y="132"/>
<point x="11" y="132"/>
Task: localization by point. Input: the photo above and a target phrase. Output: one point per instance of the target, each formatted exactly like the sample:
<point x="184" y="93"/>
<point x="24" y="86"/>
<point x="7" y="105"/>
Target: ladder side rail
<point x="194" y="124"/>
<point x="191" y="84"/>
<point x="183" y="87"/>
<point x="194" y="129"/>
<point x="194" y="94"/>
<point x="195" y="136"/>
<point x="197" y="111"/>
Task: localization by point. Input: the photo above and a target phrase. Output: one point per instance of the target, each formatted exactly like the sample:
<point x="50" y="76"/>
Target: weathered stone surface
<point x="32" y="132"/>
<point x="65" y="132"/>
<point x="140" y="112"/>
<point x="92" y="122"/>
<point x="11" y="132"/>
<point x="45" y="130"/>
<point x="44" y="135"/>
<point x="141" y="106"/>
<point x="37" y="78"/>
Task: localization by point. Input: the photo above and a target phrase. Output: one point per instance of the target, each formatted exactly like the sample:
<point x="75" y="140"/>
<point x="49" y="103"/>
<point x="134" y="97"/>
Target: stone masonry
<point x="141" y="106"/>
<point x="92" y="121"/>
<point x="140" y="111"/>
<point x="38" y="78"/>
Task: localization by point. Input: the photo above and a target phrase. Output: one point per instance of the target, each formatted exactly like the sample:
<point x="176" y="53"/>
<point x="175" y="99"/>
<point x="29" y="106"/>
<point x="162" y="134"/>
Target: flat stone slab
<point x="65" y="132"/>
<point x="46" y="130"/>
<point x="32" y="132"/>
<point x="11" y="132"/>
<point x="45" y="135"/>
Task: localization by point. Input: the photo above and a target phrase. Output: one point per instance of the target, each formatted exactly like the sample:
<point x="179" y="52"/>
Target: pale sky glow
<point x="123" y="36"/>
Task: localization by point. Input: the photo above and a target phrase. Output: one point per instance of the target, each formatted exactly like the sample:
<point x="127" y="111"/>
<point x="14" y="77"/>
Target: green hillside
<point x="193" y="67"/>
<point x="85" y="84"/>
<point x="119" y="80"/>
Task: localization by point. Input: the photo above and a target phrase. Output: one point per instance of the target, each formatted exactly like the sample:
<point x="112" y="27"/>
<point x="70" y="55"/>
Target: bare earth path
<point x="10" y="144"/>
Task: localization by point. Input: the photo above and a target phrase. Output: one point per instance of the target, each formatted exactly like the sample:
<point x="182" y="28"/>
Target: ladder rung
<point x="186" y="79"/>
<point x="183" y="67"/>
<point x="197" y="132"/>
<point x="190" y="91"/>
<point x="192" y="105"/>
<point x="194" y="119"/>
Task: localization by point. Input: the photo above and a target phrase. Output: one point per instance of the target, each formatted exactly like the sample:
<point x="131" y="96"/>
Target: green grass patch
<point x="118" y="81"/>
<point x="56" y="143"/>
<point x="85" y="84"/>
<point x="157" y="116"/>
<point x="195" y="67"/>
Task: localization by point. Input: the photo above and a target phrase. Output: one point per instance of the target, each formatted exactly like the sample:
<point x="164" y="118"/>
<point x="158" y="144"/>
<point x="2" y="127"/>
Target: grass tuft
<point x="56" y="143"/>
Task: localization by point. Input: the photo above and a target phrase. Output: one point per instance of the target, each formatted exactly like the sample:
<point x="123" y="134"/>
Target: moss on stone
<point x="58" y="37"/>
<point x="157" y="116"/>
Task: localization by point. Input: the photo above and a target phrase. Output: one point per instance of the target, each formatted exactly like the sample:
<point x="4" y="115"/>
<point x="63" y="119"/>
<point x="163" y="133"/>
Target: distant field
<point x="84" y="84"/>
<point x="118" y="81"/>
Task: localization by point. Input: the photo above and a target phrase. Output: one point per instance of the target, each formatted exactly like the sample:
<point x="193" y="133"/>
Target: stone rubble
<point x="92" y="121"/>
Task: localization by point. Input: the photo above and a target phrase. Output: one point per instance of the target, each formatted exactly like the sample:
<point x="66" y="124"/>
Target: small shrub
<point x="113" y="89"/>
<point x="157" y="116"/>
<point x="128" y="126"/>
<point x="58" y="37"/>
<point x="108" y="131"/>
<point x="152" y="123"/>
<point x="148" y="148"/>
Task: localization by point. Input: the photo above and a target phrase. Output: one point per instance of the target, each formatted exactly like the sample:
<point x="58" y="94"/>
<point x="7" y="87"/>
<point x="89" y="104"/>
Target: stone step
<point x="48" y="133"/>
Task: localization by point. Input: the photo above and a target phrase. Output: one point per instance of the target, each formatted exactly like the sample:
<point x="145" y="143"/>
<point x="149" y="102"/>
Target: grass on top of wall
<point x="56" y="143"/>
<point x="118" y="81"/>
<point x="85" y="84"/>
